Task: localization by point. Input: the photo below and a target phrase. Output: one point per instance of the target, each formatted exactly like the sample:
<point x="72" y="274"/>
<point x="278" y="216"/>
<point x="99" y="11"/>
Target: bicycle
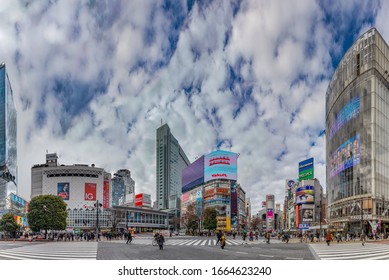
<point x="154" y="242"/>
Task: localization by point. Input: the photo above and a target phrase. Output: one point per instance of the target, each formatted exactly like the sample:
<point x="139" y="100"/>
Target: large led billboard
<point x="193" y="175"/>
<point x="345" y="156"/>
<point x="348" y="112"/>
<point x="306" y="169"/>
<point x="305" y="195"/>
<point x="220" y="165"/>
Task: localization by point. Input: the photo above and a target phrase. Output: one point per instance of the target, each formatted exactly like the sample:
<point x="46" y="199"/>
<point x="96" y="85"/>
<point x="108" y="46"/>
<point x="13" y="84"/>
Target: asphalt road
<point x="273" y="251"/>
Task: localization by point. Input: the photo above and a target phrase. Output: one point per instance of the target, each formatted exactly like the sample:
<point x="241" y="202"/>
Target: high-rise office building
<point x="8" y="154"/>
<point x="123" y="188"/>
<point x="171" y="160"/>
<point x="357" y="138"/>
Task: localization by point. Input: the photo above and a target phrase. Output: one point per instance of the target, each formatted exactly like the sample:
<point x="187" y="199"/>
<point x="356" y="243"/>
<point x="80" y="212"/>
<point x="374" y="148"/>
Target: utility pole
<point x="97" y="206"/>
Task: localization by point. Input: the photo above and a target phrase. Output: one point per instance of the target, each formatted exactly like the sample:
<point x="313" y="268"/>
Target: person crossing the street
<point x="129" y="237"/>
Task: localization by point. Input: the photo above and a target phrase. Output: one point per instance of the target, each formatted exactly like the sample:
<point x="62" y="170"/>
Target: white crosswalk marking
<point x="194" y="241"/>
<point x="352" y="251"/>
<point x="52" y="251"/>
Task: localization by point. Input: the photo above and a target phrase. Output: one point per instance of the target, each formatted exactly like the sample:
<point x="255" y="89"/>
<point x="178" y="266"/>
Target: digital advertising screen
<point x="220" y="165"/>
<point x="270" y="213"/>
<point x="305" y="195"/>
<point x="348" y="112"/>
<point x="307" y="215"/>
<point x="345" y="156"/>
<point x="193" y="174"/>
<point x="63" y="190"/>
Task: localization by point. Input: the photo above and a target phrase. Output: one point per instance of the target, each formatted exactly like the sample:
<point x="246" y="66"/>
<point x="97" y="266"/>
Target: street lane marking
<point x="244" y="253"/>
<point x="269" y="256"/>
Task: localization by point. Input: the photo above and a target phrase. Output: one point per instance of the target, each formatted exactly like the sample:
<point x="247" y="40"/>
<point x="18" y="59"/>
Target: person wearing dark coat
<point x="160" y="241"/>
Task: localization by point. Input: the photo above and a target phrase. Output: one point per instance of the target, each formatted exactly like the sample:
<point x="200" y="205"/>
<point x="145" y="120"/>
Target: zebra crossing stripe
<point x="191" y="242"/>
<point x="197" y="243"/>
<point x="204" y="242"/>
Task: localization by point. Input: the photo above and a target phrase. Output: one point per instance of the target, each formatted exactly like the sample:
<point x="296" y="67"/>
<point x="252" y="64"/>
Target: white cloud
<point x="148" y="64"/>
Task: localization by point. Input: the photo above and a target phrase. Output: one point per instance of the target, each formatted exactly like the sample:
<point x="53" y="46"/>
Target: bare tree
<point x="255" y="223"/>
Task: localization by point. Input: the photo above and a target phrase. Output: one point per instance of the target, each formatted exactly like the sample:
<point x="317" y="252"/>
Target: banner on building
<point x="63" y="190"/>
<point x="90" y="191"/>
<point x="306" y="170"/>
<point x="106" y="194"/>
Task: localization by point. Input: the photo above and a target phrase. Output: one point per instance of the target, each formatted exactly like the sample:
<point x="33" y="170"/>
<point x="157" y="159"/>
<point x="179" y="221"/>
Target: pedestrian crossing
<point x="195" y="242"/>
<point x="52" y="251"/>
<point x="351" y="251"/>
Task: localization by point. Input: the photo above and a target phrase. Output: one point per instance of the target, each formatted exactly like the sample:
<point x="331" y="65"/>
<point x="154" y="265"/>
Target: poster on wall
<point x="90" y="191"/>
<point x="270" y="213"/>
<point x="63" y="190"/>
<point x="345" y="156"/>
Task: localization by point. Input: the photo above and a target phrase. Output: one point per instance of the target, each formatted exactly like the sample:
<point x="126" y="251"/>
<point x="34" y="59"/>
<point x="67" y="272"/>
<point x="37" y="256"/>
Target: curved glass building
<point x="357" y="138"/>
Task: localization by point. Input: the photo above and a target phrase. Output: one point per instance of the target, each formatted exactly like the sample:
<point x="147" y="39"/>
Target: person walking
<point x="160" y="241"/>
<point x="223" y="240"/>
<point x="129" y="237"/>
<point x="328" y="238"/>
<point x="268" y="237"/>
<point x="219" y="236"/>
<point x="363" y="238"/>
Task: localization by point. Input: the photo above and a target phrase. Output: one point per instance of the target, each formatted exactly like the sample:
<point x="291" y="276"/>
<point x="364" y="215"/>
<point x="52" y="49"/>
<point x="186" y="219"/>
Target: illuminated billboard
<point x="270" y="213"/>
<point x="345" y="156"/>
<point x="220" y="165"/>
<point x="63" y="190"/>
<point x="305" y="195"/>
<point x="348" y="112"/>
<point x="90" y="191"/>
<point x="306" y="169"/>
<point x="193" y="175"/>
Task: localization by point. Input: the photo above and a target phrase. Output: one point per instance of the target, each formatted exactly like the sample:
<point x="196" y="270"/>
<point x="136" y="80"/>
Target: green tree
<point x="210" y="219"/>
<point x="191" y="221"/>
<point x="9" y="225"/>
<point x="47" y="212"/>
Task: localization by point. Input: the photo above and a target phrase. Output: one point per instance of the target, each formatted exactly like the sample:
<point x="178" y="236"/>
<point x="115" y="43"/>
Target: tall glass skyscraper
<point x="8" y="155"/>
<point x="357" y="138"/>
<point x="171" y="160"/>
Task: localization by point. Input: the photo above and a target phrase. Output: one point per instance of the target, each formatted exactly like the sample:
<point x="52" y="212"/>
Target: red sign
<point x="139" y="200"/>
<point x="106" y="194"/>
<point x="90" y="191"/>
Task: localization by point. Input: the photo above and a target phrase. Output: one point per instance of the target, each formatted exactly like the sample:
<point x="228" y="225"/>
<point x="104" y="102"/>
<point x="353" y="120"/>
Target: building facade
<point x="123" y="188"/>
<point x="171" y="160"/>
<point x="357" y="138"/>
<point x="86" y="190"/>
<point x="8" y="140"/>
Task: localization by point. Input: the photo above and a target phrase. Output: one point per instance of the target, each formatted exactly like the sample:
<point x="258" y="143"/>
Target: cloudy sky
<point x="93" y="79"/>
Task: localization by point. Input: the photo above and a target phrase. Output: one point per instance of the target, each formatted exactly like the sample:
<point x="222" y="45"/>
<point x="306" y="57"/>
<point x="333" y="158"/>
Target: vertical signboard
<point x="106" y="193"/>
<point x="306" y="169"/>
<point x="90" y="191"/>
<point x="139" y="200"/>
<point x="234" y="204"/>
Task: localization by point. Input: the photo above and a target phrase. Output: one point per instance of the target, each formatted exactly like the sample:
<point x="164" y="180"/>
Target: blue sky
<point x="93" y="79"/>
